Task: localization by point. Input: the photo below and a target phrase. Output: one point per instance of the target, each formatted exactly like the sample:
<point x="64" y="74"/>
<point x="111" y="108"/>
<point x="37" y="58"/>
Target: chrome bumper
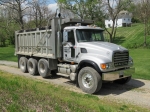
<point x="111" y="76"/>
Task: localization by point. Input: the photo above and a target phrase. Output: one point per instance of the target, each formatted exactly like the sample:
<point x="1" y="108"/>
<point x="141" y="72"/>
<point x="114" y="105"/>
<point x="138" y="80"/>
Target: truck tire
<point x="23" y="64"/>
<point x="43" y="68"/>
<point x="123" y="80"/>
<point x="89" y="80"/>
<point x="32" y="66"/>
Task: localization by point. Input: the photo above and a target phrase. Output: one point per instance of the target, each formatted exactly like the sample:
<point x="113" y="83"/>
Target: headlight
<point x="131" y="62"/>
<point x="106" y="66"/>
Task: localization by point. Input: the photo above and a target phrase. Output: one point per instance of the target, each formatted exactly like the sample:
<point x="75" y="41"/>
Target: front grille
<point x="121" y="58"/>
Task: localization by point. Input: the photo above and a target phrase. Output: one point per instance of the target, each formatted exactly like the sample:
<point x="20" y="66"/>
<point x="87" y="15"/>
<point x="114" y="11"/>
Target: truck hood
<point x="101" y="49"/>
<point x="102" y="46"/>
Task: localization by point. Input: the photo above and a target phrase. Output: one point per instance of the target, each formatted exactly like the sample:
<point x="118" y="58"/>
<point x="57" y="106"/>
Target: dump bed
<point x="40" y="43"/>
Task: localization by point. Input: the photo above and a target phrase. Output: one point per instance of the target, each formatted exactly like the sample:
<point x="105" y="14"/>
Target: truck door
<point x="68" y="47"/>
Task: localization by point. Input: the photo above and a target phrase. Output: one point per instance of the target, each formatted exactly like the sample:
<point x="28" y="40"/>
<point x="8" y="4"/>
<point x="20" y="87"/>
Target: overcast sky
<point x="52" y="5"/>
<point x="51" y="1"/>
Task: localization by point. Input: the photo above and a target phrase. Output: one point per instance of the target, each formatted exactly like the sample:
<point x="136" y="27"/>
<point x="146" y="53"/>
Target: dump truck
<point x="74" y="48"/>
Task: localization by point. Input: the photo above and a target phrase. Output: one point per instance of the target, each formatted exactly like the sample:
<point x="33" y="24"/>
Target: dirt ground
<point x="136" y="91"/>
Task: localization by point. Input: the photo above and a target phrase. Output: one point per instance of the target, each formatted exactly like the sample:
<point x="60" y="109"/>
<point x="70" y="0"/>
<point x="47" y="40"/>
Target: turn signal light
<point x="72" y="63"/>
<point x="103" y="66"/>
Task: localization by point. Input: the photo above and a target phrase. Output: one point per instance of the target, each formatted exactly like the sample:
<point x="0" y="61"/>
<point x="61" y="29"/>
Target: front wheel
<point x="89" y="80"/>
<point x="123" y="80"/>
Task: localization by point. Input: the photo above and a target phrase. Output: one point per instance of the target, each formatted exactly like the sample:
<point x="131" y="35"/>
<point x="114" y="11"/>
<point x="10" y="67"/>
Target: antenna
<point x="56" y="12"/>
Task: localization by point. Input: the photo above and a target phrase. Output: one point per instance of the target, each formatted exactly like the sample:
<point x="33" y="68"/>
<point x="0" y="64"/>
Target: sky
<point x="52" y="5"/>
<point x="52" y="1"/>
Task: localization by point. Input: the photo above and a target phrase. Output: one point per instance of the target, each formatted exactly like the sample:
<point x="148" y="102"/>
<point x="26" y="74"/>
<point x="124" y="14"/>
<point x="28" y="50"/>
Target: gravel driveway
<point x="137" y="91"/>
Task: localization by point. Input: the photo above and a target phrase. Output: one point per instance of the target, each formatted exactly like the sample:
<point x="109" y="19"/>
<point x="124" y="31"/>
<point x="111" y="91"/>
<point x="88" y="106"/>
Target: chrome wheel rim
<point x="87" y="80"/>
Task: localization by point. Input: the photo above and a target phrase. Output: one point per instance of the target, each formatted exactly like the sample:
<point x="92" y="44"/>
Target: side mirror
<point x="64" y="43"/>
<point x="67" y="43"/>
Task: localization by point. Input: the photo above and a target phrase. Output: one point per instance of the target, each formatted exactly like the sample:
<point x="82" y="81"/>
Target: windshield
<point x="89" y="35"/>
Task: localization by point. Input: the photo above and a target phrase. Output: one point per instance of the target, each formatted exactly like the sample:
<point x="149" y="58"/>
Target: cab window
<point x="71" y="37"/>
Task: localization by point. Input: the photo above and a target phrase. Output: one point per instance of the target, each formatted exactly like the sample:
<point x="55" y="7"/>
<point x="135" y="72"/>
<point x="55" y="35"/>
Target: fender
<point x="89" y="62"/>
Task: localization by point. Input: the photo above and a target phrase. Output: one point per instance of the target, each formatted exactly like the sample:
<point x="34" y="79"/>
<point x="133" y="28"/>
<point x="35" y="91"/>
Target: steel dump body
<point x="37" y="43"/>
<point x="40" y="43"/>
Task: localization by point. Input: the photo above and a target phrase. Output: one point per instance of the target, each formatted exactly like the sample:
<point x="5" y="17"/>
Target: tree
<point x="95" y="11"/>
<point x="38" y="12"/>
<point x="113" y="8"/>
<point x="19" y="14"/>
<point x="84" y="9"/>
<point x="3" y="38"/>
<point x="17" y="10"/>
<point x="77" y="7"/>
<point x="144" y="8"/>
<point x="7" y="26"/>
<point x="141" y="11"/>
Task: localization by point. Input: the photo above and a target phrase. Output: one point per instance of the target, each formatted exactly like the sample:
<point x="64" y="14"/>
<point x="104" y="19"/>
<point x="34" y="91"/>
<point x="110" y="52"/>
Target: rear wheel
<point x="32" y="66"/>
<point x="123" y="80"/>
<point x="43" y="68"/>
<point x="89" y="80"/>
<point x="23" y="64"/>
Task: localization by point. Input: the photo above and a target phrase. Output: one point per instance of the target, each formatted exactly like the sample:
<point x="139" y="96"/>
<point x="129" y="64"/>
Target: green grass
<point x="7" y="53"/>
<point x="141" y="58"/>
<point x="19" y="94"/>
<point x="131" y="37"/>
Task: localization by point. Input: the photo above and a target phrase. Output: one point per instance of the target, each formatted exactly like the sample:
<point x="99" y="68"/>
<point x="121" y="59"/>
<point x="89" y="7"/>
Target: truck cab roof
<point x="83" y="27"/>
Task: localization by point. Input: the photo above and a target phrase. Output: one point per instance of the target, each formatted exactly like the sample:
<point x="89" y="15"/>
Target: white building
<point x="124" y="20"/>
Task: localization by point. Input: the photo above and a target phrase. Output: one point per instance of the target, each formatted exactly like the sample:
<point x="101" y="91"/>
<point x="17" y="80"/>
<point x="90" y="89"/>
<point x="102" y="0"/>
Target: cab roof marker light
<point x="78" y="24"/>
<point x="95" y="26"/>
